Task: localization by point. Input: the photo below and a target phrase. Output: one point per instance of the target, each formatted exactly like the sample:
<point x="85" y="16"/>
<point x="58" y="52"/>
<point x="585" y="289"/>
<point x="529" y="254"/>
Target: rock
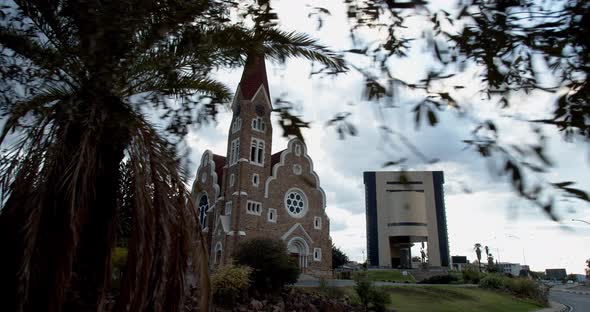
<point x="281" y="305"/>
<point x="242" y="309"/>
<point x="310" y="308"/>
<point x="256" y="305"/>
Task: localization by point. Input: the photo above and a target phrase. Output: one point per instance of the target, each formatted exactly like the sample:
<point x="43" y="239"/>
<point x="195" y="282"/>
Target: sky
<point x="489" y="213"/>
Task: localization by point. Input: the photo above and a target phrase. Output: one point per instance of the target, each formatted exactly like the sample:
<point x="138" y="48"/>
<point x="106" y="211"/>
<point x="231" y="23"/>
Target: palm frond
<point x="38" y="105"/>
<point x="48" y="17"/>
<point x="163" y="229"/>
<point x="184" y="84"/>
<point x="280" y="45"/>
<point x="41" y="55"/>
<point x="46" y="203"/>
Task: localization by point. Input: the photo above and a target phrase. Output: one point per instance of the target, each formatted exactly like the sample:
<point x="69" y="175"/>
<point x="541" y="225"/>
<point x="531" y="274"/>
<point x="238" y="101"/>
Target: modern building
<point x="510" y="268"/>
<point x="402" y="209"/>
<point x="556" y="274"/>
<point x="252" y="193"/>
<point x="580" y="278"/>
<point x="459" y="262"/>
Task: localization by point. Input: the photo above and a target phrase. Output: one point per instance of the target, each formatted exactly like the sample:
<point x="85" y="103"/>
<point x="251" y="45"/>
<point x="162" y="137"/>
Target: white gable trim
<point x="293" y="228"/>
<point x="239" y="94"/>
<point x="212" y="173"/>
<point x="290" y="150"/>
<point x="264" y="95"/>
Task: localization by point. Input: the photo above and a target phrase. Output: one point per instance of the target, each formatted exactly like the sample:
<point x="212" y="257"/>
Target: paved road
<point x="578" y="302"/>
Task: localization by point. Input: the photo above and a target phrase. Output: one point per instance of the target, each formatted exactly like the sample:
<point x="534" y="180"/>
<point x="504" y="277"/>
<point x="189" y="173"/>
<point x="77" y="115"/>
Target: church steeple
<point x="254" y="76"/>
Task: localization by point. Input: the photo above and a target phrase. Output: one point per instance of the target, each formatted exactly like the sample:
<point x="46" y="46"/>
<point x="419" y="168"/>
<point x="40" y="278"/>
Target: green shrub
<point x="440" y="279"/>
<point x="363" y="287"/>
<point x="492" y="281"/>
<point x="323" y="283"/>
<point x="119" y="261"/>
<point x="330" y="291"/>
<point x="273" y="267"/>
<point x="379" y="299"/>
<point x="527" y="288"/>
<point x="229" y="283"/>
<point x="369" y="295"/>
<point x="471" y="276"/>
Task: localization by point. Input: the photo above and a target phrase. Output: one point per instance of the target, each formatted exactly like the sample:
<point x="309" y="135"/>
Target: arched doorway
<point x="203" y="207"/>
<point x="298" y="249"/>
<point x="217" y="253"/>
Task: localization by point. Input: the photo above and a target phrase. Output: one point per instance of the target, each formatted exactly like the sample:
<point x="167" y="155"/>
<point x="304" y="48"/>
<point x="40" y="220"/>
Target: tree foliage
<point x="229" y="283"/>
<point x="339" y="258"/>
<point x="477" y="249"/>
<point x="516" y="48"/>
<point x="272" y="265"/>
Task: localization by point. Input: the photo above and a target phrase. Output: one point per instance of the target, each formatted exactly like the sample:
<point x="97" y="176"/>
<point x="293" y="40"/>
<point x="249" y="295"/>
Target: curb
<point x="555" y="307"/>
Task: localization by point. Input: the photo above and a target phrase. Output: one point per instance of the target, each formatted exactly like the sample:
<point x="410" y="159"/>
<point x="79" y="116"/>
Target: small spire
<point x="254" y="76"/>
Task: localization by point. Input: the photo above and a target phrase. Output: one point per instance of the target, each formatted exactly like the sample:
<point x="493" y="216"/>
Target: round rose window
<point x="296" y="203"/>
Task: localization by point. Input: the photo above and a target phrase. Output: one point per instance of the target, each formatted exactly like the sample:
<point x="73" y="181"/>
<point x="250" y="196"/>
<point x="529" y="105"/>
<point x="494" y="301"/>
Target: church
<point x="253" y="193"/>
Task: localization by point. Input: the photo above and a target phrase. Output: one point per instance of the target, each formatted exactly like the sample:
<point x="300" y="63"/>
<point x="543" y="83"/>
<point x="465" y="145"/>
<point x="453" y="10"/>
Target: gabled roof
<point x="219" y="163"/>
<point x="253" y="76"/>
<point x="275" y="159"/>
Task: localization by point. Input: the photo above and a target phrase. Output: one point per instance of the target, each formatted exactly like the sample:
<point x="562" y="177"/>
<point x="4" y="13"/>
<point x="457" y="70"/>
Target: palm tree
<point x="78" y="79"/>
<point x="477" y="248"/>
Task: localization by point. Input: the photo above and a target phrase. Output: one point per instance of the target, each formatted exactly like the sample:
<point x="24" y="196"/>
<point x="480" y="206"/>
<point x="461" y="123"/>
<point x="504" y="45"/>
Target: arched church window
<point x="236" y="125"/>
<point x="317" y="223"/>
<point x="234" y="152"/>
<point x="296" y="203"/>
<point x="257" y="151"/>
<point x="297" y="169"/>
<point x="258" y="124"/>
<point x="255" y="179"/>
<point x="218" y="250"/>
<point x="317" y="254"/>
<point x="203" y="207"/>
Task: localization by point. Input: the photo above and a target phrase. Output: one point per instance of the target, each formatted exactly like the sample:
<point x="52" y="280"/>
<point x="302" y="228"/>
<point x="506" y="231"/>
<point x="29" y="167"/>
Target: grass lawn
<point x="451" y="299"/>
<point x="390" y="275"/>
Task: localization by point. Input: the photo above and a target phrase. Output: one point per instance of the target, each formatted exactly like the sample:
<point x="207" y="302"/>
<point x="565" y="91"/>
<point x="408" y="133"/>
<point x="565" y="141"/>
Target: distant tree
<point x="273" y="267"/>
<point x="571" y="277"/>
<point x="588" y="267"/>
<point x="339" y="258"/>
<point x="477" y="248"/>
<point x="538" y="275"/>
<point x="490" y="259"/>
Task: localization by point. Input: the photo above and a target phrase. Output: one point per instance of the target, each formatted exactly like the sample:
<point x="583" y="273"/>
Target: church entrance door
<point x="298" y="249"/>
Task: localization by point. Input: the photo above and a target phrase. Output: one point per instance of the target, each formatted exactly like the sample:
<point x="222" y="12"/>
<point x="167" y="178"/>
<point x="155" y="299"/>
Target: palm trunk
<point x="92" y="268"/>
<point x="97" y="239"/>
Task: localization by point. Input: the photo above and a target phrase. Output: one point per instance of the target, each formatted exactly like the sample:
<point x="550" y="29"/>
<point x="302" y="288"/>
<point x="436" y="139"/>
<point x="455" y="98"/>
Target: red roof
<point x="254" y="76"/>
<point x="219" y="163"/>
<point x="274" y="159"/>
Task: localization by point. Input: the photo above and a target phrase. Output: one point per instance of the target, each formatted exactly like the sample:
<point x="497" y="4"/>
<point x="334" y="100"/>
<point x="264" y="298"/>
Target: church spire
<point x="254" y="76"/>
